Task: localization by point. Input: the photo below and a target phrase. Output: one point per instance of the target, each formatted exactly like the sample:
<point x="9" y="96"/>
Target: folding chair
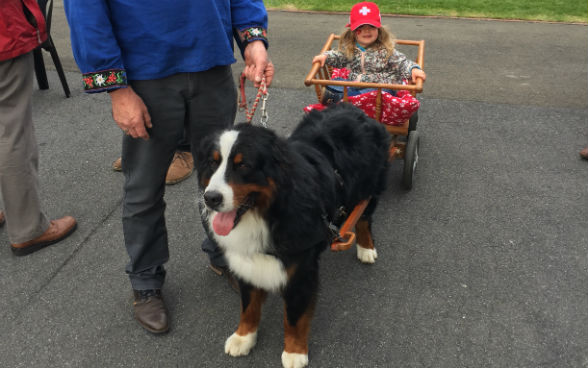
<point x="47" y="9"/>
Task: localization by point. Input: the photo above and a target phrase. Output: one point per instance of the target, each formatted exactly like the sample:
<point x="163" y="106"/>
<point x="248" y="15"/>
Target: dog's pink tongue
<point x="223" y="222"/>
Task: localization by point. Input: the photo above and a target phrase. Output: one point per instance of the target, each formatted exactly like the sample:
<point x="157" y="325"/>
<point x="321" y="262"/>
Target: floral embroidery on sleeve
<point x="103" y="80"/>
<point x="250" y="34"/>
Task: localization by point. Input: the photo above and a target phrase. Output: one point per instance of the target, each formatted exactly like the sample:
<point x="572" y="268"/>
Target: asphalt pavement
<point x="484" y="263"/>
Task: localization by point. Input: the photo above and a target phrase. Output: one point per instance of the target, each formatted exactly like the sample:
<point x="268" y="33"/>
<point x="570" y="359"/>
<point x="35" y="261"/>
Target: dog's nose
<point x="213" y="199"/>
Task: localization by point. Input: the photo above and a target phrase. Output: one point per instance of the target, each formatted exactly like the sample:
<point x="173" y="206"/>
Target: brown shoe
<point x="224" y="271"/>
<point x="58" y="230"/>
<point x="584" y="153"/>
<point x="150" y="310"/>
<point x="180" y="168"/>
<point x="2" y="218"/>
<point x="117" y="164"/>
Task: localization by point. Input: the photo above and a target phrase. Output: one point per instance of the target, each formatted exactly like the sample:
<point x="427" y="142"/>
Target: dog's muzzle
<point x="213" y="199"/>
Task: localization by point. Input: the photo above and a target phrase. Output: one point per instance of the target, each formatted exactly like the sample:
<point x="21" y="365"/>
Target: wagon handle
<point x="419" y="85"/>
<point x="408" y="87"/>
<point x="315" y="68"/>
<point x="419" y="60"/>
<point x="317" y="65"/>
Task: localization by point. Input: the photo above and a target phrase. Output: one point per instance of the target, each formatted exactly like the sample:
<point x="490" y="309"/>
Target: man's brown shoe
<point x="180" y="168"/>
<point x="584" y="153"/>
<point x="150" y="310"/>
<point x="117" y="164"/>
<point x="1" y="218"/>
<point x="58" y="230"/>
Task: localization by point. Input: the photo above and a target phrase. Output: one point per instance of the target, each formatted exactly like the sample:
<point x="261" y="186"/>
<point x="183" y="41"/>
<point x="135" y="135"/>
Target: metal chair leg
<point x="47" y="9"/>
<point x="59" y="68"/>
<point x="40" y="69"/>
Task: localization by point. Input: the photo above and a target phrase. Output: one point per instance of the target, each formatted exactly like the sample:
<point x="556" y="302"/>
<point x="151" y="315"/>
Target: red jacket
<point x="17" y="35"/>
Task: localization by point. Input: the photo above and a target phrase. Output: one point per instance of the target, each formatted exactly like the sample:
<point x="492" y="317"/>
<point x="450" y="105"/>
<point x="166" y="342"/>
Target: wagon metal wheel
<point x="411" y="158"/>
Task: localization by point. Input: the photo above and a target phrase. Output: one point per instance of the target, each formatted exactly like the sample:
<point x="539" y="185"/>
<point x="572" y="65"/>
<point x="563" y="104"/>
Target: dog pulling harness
<point x="343" y="238"/>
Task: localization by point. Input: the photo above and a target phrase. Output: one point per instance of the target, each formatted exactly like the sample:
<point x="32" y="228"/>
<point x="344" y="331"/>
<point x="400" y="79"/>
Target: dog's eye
<point x="212" y="163"/>
<point x="214" y="159"/>
<point x="242" y="166"/>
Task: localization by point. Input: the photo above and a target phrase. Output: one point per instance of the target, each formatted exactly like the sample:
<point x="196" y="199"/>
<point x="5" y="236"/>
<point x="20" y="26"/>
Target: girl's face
<point x="366" y="35"/>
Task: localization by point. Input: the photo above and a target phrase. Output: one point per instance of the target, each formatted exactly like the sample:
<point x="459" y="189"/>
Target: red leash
<point x="261" y="94"/>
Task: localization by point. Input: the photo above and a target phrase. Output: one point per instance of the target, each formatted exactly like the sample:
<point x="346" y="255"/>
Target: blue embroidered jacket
<point x="113" y="40"/>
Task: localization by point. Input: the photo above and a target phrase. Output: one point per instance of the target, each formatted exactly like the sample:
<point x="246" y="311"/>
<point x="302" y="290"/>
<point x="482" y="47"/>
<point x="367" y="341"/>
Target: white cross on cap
<point x="364" y="10"/>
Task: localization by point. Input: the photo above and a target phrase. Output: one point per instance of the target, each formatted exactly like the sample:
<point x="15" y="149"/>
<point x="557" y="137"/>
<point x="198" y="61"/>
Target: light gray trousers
<point x="19" y="154"/>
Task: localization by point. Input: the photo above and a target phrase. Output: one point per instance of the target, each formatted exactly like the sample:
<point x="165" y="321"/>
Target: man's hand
<point x="257" y="64"/>
<point x="130" y="113"/>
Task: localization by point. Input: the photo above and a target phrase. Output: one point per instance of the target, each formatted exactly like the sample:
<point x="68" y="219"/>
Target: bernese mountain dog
<point x="270" y="204"/>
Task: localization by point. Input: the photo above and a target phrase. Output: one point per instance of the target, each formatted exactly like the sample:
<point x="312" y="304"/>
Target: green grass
<point x="543" y="10"/>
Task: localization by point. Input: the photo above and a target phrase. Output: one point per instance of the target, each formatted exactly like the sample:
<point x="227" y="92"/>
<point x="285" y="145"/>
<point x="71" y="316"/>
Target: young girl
<point x="367" y="50"/>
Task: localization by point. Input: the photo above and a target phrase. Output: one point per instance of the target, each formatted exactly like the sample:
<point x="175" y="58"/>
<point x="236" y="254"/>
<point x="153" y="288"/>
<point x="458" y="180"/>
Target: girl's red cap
<point x="364" y="13"/>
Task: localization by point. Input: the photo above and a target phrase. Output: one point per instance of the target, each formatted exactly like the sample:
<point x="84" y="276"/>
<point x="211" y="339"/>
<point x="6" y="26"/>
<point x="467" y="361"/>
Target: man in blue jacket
<point x="166" y="66"/>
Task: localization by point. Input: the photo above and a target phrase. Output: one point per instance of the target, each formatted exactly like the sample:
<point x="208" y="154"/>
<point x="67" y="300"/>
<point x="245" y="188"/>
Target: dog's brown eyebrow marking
<point x="216" y="155"/>
<point x="238" y="158"/>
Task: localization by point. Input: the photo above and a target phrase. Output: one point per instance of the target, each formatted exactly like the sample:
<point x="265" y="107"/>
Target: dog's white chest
<point x="261" y="270"/>
<point x="245" y="248"/>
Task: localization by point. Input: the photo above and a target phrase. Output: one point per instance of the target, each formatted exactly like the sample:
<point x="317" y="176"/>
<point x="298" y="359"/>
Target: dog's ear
<point x="203" y="158"/>
<point x="202" y="151"/>
<point x="280" y="162"/>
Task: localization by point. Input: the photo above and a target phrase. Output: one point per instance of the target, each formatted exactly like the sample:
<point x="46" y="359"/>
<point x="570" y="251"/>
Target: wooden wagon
<point x="405" y="138"/>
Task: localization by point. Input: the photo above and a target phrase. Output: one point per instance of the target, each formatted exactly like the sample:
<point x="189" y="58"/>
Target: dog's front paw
<point x="237" y="345"/>
<point x="293" y="360"/>
<point x="367" y="255"/>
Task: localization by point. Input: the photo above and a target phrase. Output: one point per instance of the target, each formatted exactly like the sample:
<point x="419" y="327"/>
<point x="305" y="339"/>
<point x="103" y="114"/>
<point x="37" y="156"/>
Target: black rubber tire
<point x="412" y="122"/>
<point x="411" y="158"/>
